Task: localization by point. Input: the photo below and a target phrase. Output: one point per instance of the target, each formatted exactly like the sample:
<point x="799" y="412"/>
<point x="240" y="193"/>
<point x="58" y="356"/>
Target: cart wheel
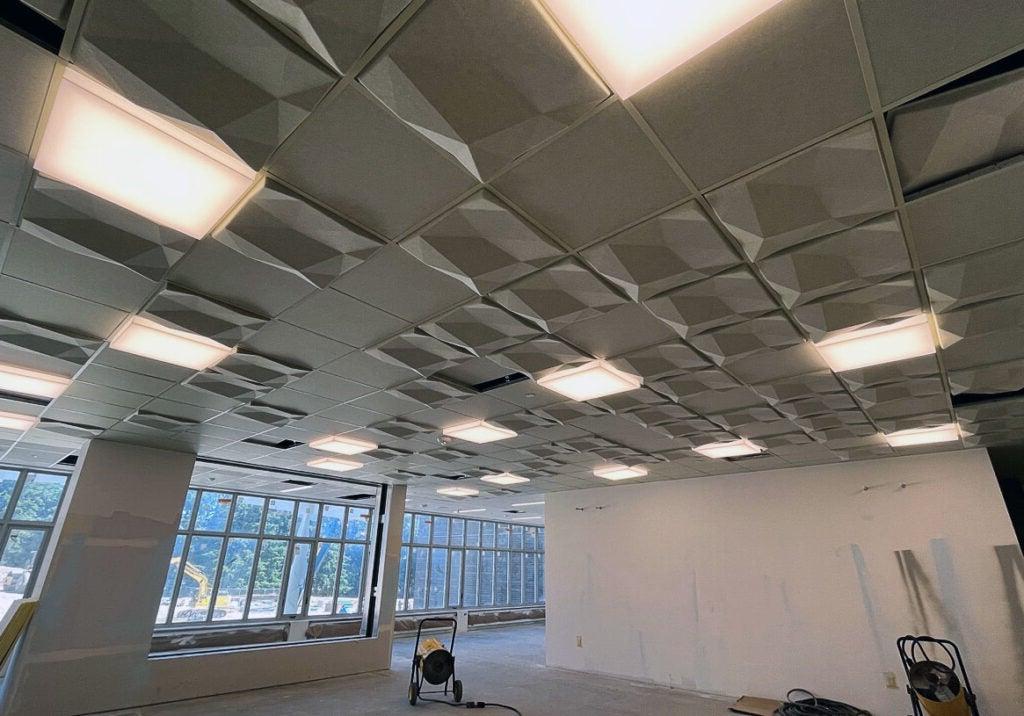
<point x="457" y="691"/>
<point x="414" y="693"/>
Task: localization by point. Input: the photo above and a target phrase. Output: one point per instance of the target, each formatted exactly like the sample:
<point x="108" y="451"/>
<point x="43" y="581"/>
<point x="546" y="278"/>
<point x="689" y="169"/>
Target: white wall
<point x="87" y="648"/>
<point x="760" y="582"/>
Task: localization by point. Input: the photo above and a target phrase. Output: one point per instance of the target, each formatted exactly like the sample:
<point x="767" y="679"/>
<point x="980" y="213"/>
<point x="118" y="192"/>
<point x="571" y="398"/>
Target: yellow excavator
<point x="201" y="600"/>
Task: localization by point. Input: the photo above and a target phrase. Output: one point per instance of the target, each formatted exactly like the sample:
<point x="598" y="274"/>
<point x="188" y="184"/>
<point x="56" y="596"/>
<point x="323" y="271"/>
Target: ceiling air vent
<point x="279" y="444"/>
<point x="357" y="496"/>
<point x="501" y="382"/>
<point x="68" y="461"/>
<point x="965" y="399"/>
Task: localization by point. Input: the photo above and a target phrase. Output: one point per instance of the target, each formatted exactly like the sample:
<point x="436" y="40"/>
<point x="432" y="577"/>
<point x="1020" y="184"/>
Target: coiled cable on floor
<point x="815" y="706"/>
<point x="477" y="705"/>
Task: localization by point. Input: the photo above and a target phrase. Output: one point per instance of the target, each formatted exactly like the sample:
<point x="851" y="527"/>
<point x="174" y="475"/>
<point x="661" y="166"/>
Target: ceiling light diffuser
<point x="342" y="445"/>
<point x="527" y="504"/>
<point x="620" y="472"/>
<point x="334" y="463"/>
<point x="528" y="517"/>
<point x="16" y="421"/>
<point x="31" y="382"/>
<point x="475" y="509"/>
<point x="298" y="489"/>
<point x="733" y="448"/>
<point x="634" y="43"/>
<point x="505" y="478"/>
<point x="149" y="339"/>
<point x="458" y="491"/>
<point x="479" y="431"/>
<point x="101" y="143"/>
<point x="924" y="436"/>
<point x="592" y="380"/>
<point x="909" y="338"/>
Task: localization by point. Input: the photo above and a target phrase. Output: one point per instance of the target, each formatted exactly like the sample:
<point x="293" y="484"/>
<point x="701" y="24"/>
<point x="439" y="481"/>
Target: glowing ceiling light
<point x="620" y="472"/>
<point x="104" y="144"/>
<point x="634" y="42"/>
<point x="908" y="338"/>
<point x="299" y="488"/>
<point x="733" y="448"/>
<point x="342" y="445"/>
<point x="527" y="504"/>
<point x="31" y="382"/>
<point x="505" y="478"/>
<point x="143" y="337"/>
<point x="475" y="509"/>
<point x="924" y="436"/>
<point x="593" y="380"/>
<point x="16" y="421"/>
<point x="334" y="463"/>
<point x="479" y="431"/>
<point x="458" y="491"/>
<point x="529" y="517"/>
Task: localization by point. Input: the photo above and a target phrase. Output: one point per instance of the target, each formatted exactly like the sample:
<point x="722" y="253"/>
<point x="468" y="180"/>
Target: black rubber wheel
<point x="457" y="691"/>
<point x="413" y="694"/>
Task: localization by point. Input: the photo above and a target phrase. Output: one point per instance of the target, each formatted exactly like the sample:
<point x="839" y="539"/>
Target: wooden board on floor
<point x="754" y="706"/>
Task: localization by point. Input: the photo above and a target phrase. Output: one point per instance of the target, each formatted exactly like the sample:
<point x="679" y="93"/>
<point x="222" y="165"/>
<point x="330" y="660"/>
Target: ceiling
<point x="451" y="196"/>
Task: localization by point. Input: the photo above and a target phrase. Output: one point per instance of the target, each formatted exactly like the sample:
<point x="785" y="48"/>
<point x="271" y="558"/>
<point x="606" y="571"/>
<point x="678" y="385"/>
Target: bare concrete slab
<point x="502" y="664"/>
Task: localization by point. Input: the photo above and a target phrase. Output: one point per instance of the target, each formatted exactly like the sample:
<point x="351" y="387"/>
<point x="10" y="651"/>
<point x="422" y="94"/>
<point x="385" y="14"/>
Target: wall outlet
<point x="890" y="680"/>
<point x="579" y="641"/>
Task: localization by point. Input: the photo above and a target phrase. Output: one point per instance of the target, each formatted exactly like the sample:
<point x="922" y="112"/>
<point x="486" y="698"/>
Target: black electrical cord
<point x="814" y="706"/>
<point x="476" y="705"/>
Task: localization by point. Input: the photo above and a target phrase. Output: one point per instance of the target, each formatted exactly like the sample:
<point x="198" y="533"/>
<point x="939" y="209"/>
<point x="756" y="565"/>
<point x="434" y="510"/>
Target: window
<point x="241" y="557"/>
<point x="29" y="502"/>
<point x="442" y="565"/>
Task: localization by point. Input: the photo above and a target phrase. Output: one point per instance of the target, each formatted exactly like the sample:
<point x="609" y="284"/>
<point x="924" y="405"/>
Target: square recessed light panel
<point x="909" y="338"/>
<point x="342" y="445"/>
<point x="634" y="42"/>
<point x="593" y="380"/>
<point x="101" y="143"/>
<point x="733" y="448"/>
<point x="16" y="421"/>
<point x="505" y="478"/>
<point x="924" y="436"/>
<point x="334" y="463"/>
<point x="458" y="491"/>
<point x="31" y="382"/>
<point x="479" y="431"/>
<point x="620" y="472"/>
<point x="149" y="339"/>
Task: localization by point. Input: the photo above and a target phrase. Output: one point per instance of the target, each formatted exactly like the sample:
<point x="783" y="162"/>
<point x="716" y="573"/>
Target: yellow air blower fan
<point x="935" y="688"/>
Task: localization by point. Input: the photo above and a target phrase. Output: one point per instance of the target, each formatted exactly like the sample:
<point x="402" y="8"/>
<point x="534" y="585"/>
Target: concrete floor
<point x="503" y="664"/>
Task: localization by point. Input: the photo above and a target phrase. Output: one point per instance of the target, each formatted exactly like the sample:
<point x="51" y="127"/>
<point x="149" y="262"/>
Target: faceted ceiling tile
<point x="200" y="315"/>
<point x="825" y="404"/>
<point x="873" y="305"/>
<point x="722" y="400"/>
<point x="718" y="301"/>
<point x="621" y="403"/>
<point x="432" y="393"/>
<point x="623" y="329"/>
<point x="480" y="328"/>
<point x="483" y="81"/>
<point x="858" y="257"/>
<point x="901" y="407"/>
<point x="696" y="381"/>
<point x="660" y="361"/>
<point x="976" y="349"/>
<point x="677" y="247"/>
<point x="801" y="386"/>
<point x="897" y="371"/>
<point x="999" y="378"/>
<point x="660" y="414"/>
<point x="268" y="415"/>
<point x="830" y="186"/>
<point x="917" y="388"/>
<point x="566" y="412"/>
<point x="229" y="387"/>
<point x="981" y="318"/>
<point x="336" y="33"/>
<point x="35" y="344"/>
<point x="759" y="335"/>
<point x="420" y="352"/>
<point x="482" y="243"/>
<point x="210" y="64"/>
<point x="61" y="213"/>
<point x="15" y="170"/>
<point x="539" y="356"/>
<point x="259" y="369"/>
<point x="992" y="410"/>
<point x="361" y="161"/>
<point x="945" y="135"/>
<point x="593" y="180"/>
<point x="28" y="69"/>
<point x="558" y="296"/>
<point x="993" y="274"/>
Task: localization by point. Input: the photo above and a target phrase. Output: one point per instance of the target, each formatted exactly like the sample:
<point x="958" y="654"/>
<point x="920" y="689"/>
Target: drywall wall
<point x="757" y="583"/>
<point x="87" y="649"/>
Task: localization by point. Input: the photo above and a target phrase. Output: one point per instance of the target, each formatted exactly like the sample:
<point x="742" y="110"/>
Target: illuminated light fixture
<point x="909" y="338"/>
<point x="531" y="517"/>
<point x="334" y="463"/>
<point x="342" y="445"/>
<point x="592" y="380"/>
<point x="297" y="489"/>
<point x="479" y="431"/>
<point x="505" y="478"/>
<point x="475" y="509"/>
<point x="527" y="504"/>
<point x="149" y="339"/>
<point x="15" y="421"/>
<point x="733" y="448"/>
<point x="620" y="472"/>
<point x="923" y="436"/>
<point x="102" y="143"/>
<point x="31" y="382"/>
<point x="458" y="491"/>
<point x="634" y="43"/>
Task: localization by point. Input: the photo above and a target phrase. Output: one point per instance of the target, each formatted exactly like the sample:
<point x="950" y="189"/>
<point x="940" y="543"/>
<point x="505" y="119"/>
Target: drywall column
<point x="103" y="578"/>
